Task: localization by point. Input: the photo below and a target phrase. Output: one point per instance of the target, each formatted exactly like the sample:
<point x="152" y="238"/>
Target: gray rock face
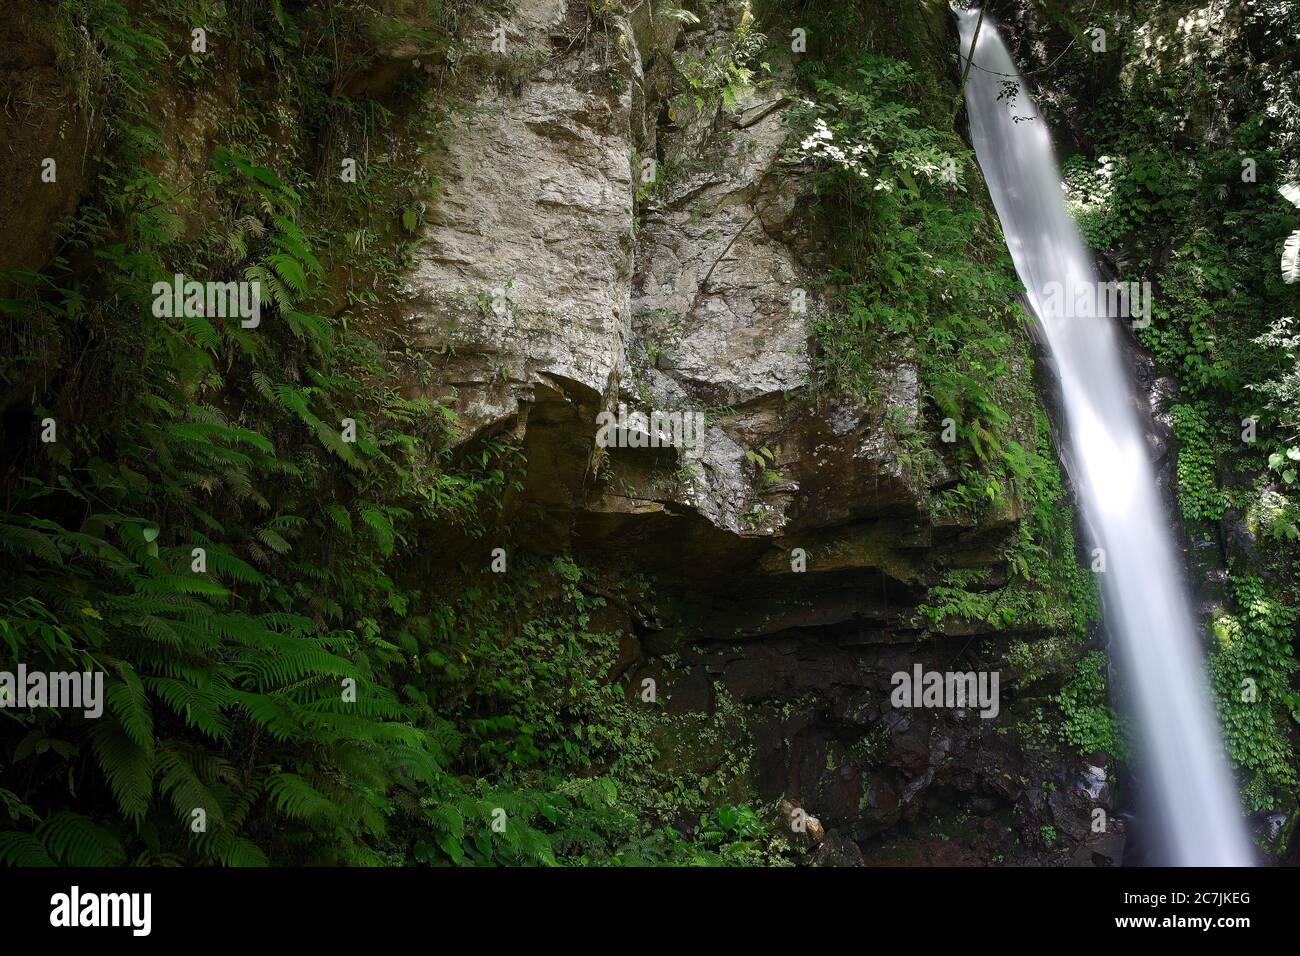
<point x="717" y="255"/>
<point x="535" y="215"/>
<point x="548" y="305"/>
<point x="529" y="250"/>
<point x="523" y="282"/>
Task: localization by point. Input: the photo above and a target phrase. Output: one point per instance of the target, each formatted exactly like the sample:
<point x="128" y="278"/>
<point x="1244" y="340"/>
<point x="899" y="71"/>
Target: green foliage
<point x="518" y="667"/>
<point x="906" y="284"/>
<point x="1281" y="398"/>
<point x="1087" y="723"/>
<point x="735" y="834"/>
<point x="208" y="532"/>
<point x="201" y="532"/>
<point x="920" y="278"/>
<point x="722" y="74"/>
<point x="1046" y="588"/>
<point x="1185" y="185"/>
<point x="1251" y="667"/>
<point x="1199" y="495"/>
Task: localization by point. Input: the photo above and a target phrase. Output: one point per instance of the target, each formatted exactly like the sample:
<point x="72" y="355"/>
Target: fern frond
<point x="296" y="798"/>
<point x="22" y="849"/>
<point x="75" y="840"/>
<point x="127" y="767"/>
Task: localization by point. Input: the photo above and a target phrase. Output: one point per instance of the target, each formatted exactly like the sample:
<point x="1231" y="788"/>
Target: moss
<point x="918" y="275"/>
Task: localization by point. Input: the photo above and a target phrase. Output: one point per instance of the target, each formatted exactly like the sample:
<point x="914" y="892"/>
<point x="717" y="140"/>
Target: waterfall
<point x="1186" y="783"/>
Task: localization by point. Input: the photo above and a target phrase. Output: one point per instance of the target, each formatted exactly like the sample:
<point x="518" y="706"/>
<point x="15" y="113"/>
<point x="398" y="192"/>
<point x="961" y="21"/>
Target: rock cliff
<point x="601" y="242"/>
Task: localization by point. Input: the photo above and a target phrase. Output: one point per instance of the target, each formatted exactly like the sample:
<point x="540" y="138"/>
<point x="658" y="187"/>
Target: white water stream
<point x="1184" y="775"/>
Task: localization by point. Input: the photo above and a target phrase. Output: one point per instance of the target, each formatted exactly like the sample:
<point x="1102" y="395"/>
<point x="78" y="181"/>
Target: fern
<point x="297" y="799"/>
<point x="75" y="840"/>
<point x="223" y="685"/>
<point x="126" y="765"/>
<point x="23" y="849"/>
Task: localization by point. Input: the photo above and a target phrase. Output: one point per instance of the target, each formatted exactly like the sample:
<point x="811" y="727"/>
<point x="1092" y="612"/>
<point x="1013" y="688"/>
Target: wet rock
<point x="838" y="850"/>
<point x="46" y="119"/>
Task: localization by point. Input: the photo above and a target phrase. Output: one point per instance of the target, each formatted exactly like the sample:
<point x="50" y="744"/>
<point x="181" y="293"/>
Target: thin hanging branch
<point x="970" y="58"/>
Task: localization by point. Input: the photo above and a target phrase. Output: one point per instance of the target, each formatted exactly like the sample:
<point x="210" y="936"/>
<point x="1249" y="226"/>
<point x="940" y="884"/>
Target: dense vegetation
<point x="224" y="520"/>
<point x="1183" y="150"/>
<point x="922" y="279"/>
<point x="235" y="524"/>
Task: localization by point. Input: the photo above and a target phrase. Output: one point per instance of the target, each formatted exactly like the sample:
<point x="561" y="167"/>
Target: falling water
<point x="1190" y="789"/>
